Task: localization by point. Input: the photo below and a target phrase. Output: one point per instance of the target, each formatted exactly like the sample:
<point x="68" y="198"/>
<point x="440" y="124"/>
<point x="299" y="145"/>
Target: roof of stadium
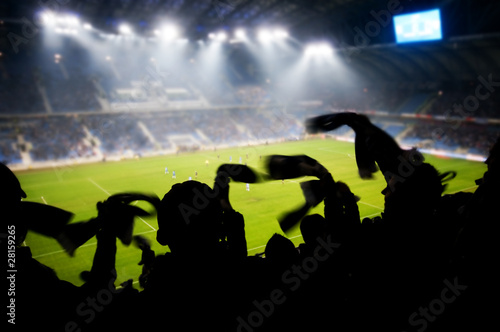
<point x="471" y="28"/>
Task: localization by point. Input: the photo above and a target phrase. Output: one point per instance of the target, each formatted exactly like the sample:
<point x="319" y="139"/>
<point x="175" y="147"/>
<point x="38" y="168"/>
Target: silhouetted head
<point x="11" y="194"/>
<point x="280" y="251"/>
<point x="493" y="161"/>
<point x="415" y="194"/>
<point x="10" y="188"/>
<point x="189" y="219"/>
<point x="313" y="227"/>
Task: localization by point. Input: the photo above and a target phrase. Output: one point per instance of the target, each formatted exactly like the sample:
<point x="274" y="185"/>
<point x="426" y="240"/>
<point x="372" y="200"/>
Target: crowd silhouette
<point x="426" y="264"/>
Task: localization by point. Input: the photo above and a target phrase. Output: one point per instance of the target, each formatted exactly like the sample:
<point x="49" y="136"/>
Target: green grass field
<point x="78" y="188"/>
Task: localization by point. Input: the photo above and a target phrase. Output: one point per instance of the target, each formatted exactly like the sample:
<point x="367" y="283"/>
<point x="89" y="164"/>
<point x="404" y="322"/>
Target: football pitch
<point x="77" y="188"/>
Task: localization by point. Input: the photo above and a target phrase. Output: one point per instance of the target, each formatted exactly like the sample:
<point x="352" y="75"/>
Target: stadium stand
<point x="43" y="135"/>
<point x="20" y="94"/>
<point x="9" y="153"/>
<point x="477" y="139"/>
<point x="117" y="134"/>
<point x="147" y="132"/>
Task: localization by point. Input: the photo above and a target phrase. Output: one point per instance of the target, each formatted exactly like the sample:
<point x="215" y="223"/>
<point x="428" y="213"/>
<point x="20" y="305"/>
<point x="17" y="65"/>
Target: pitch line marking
<point x="98" y="186"/>
<point x="378" y="207"/>
<point x="82" y="246"/>
<point x="107" y="192"/>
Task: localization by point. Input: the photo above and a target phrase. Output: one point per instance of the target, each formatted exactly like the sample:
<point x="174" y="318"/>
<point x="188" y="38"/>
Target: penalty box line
<point x="107" y="193"/>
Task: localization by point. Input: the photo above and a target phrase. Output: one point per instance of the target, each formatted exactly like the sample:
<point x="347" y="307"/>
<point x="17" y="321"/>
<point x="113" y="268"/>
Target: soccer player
<point x="166" y="170"/>
<point x="196" y="174"/>
<point x="248" y="186"/>
<point x="173" y="175"/>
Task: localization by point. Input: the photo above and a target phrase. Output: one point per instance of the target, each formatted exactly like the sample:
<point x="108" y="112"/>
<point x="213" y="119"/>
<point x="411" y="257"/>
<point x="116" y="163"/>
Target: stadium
<point x="266" y="102"/>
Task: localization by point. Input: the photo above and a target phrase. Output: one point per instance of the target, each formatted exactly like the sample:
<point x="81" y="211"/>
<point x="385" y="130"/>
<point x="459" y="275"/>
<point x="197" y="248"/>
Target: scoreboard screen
<point x="419" y="26"/>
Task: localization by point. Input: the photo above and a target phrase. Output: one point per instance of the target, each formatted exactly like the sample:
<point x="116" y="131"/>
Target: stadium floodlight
<point x="240" y="34"/>
<point x="268" y="35"/>
<point x="66" y="31"/>
<point x="48" y="18"/>
<point x="68" y="20"/>
<point x="319" y="49"/>
<point x="61" y="21"/>
<point x="168" y="32"/>
<point x="310" y="50"/>
<point x="264" y="35"/>
<point x="125" y="29"/>
<point x="280" y="34"/>
<point x="220" y="36"/>
<point x="87" y="26"/>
